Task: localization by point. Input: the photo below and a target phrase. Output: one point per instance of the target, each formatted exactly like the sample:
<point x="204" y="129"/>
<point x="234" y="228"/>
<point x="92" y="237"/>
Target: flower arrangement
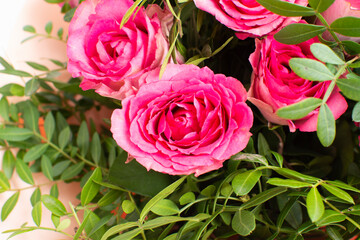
<point x="231" y="119"/>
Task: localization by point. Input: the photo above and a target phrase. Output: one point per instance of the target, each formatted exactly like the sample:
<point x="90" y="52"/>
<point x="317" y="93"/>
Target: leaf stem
<point x="346" y="217"/>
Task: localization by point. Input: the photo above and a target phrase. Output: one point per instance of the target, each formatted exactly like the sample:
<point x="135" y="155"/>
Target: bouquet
<point x="191" y="119"/>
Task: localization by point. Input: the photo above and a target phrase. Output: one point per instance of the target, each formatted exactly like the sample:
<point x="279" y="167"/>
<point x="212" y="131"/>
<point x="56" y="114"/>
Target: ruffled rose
<point x="275" y="85"/>
<point x="111" y="59"/>
<point x="190" y="121"/>
<point x="341" y="8"/>
<point x="247" y="17"/>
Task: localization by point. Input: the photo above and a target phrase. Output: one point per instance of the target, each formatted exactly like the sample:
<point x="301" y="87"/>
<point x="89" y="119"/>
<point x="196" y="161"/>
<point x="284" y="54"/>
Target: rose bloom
<point x="190" y="121"/>
<point x="341" y="8"/>
<point x="275" y="85"/>
<point x="247" y="17"/>
<point x="111" y="59"/>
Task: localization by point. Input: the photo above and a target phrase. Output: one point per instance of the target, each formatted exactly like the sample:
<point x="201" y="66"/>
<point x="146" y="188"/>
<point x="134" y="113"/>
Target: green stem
<point x="346" y="217"/>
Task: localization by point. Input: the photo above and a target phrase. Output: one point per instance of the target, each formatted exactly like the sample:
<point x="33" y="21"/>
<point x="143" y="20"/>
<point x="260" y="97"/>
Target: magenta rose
<point x="275" y="85"/>
<point x="247" y="17"/>
<point x="190" y="121"/>
<point x="111" y="59"/>
<point x="341" y="8"/>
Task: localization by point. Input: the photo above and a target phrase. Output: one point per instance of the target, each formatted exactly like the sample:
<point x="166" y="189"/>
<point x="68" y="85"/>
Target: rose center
<point x="182" y="120"/>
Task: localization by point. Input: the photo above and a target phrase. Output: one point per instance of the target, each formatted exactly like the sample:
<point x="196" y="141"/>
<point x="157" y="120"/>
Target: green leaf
<point x="325" y="54"/>
<point x="29" y="28"/>
<point x="49" y="126"/>
<point x="187" y="198"/>
<point x="347" y="26"/>
<point x="69" y="15"/>
<point x="343" y="185"/>
<point x="243" y="222"/>
<point x="55" y="220"/>
<point x="16" y="73"/>
<point x="60" y="33"/>
<point x="36" y="213"/>
<point x="54" y="205"/>
<point x="24" y="172"/>
<point x="9" y="206"/>
<point x="118" y="228"/>
<point x="290" y="210"/>
<point x="279" y="158"/>
<point x="333" y="233"/>
<point x="57" y="62"/>
<point x="300" y="109"/>
<point x="59" y="167"/>
<point x="35" y="197"/>
<point x="338" y="193"/>
<point x="8" y="163"/>
<point x="35" y="152"/>
<point x="96" y="148"/>
<point x="295" y="175"/>
<point x="351" y="47"/>
<point x="263" y="197"/>
<point x="320" y="5"/>
<point x="91" y="188"/>
<point x="298" y="32"/>
<point x="46" y="167"/>
<point x="82" y="139"/>
<point x="54" y="1"/>
<point x="31" y="116"/>
<point x="54" y="191"/>
<point x="254" y="158"/>
<point x="208" y="191"/>
<point x="37" y="66"/>
<point x="4" y="108"/>
<point x="244" y="182"/>
<point x="99" y="225"/>
<point x="326" y="126"/>
<point x="161" y="195"/>
<point x="314" y="204"/>
<point x="356" y="112"/>
<point x="4" y="182"/>
<point x="90" y="224"/>
<point x="330" y="217"/>
<point x="350" y="86"/>
<point x="128" y="206"/>
<point x="72" y="171"/>
<point x="64" y="137"/>
<point x="31" y="86"/>
<point x="310" y="69"/>
<point x="64" y="224"/>
<point x="48" y="27"/>
<point x="286" y="9"/>
<point x="109" y="198"/>
<point x="165" y="207"/>
<point x="288" y="183"/>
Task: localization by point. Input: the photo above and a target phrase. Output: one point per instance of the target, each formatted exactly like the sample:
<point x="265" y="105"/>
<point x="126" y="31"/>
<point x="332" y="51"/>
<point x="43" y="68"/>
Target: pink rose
<point x="190" y="121"/>
<point x="275" y="85"/>
<point x="341" y="8"/>
<point x="247" y="17"/>
<point x="111" y="59"/>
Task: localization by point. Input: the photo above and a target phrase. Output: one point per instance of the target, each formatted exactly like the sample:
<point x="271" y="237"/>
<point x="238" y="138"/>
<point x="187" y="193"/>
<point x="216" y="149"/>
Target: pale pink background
<point x="14" y="14"/>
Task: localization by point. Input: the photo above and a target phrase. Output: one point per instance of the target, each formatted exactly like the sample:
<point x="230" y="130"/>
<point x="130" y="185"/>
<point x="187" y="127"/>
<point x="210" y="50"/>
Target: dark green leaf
<point x="46" y="167"/>
<point x="29" y="28"/>
<point x="351" y="47"/>
<point x="320" y="5"/>
<point x="35" y="152"/>
<point x="60" y="33"/>
<point x="92" y="222"/>
<point x="288" y="183"/>
<point x="4" y="108"/>
<point x="57" y="63"/>
<point x="16" y="73"/>
<point x="330" y="217"/>
<point x="325" y="54"/>
<point x="36" y="213"/>
<point x="91" y="188"/>
<point x="290" y="210"/>
<point x="165" y="207"/>
<point x="31" y="116"/>
<point x="69" y="15"/>
<point x="326" y="126"/>
<point x="99" y="225"/>
<point x="333" y="233"/>
<point x="24" y="172"/>
<point x="64" y="137"/>
<point x="37" y="66"/>
<point x="9" y="206"/>
<point x="35" y="197"/>
<point x="243" y="222"/>
<point x="49" y="126"/>
<point x="263" y="197"/>
<point x="8" y="163"/>
<point x="109" y="198"/>
<point x="298" y="32"/>
<point x="96" y="148"/>
<point x="300" y="109"/>
<point x="54" y="205"/>
<point x="314" y="204"/>
<point x="348" y="26"/>
<point x="82" y="140"/>
<point x="338" y="193"/>
<point x="59" y="167"/>
<point x="244" y="182"/>
<point x="310" y="69"/>
<point x="72" y="171"/>
<point x="350" y="86"/>
<point x="31" y="86"/>
<point x="286" y="9"/>
<point x="48" y="27"/>
<point x="208" y="191"/>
